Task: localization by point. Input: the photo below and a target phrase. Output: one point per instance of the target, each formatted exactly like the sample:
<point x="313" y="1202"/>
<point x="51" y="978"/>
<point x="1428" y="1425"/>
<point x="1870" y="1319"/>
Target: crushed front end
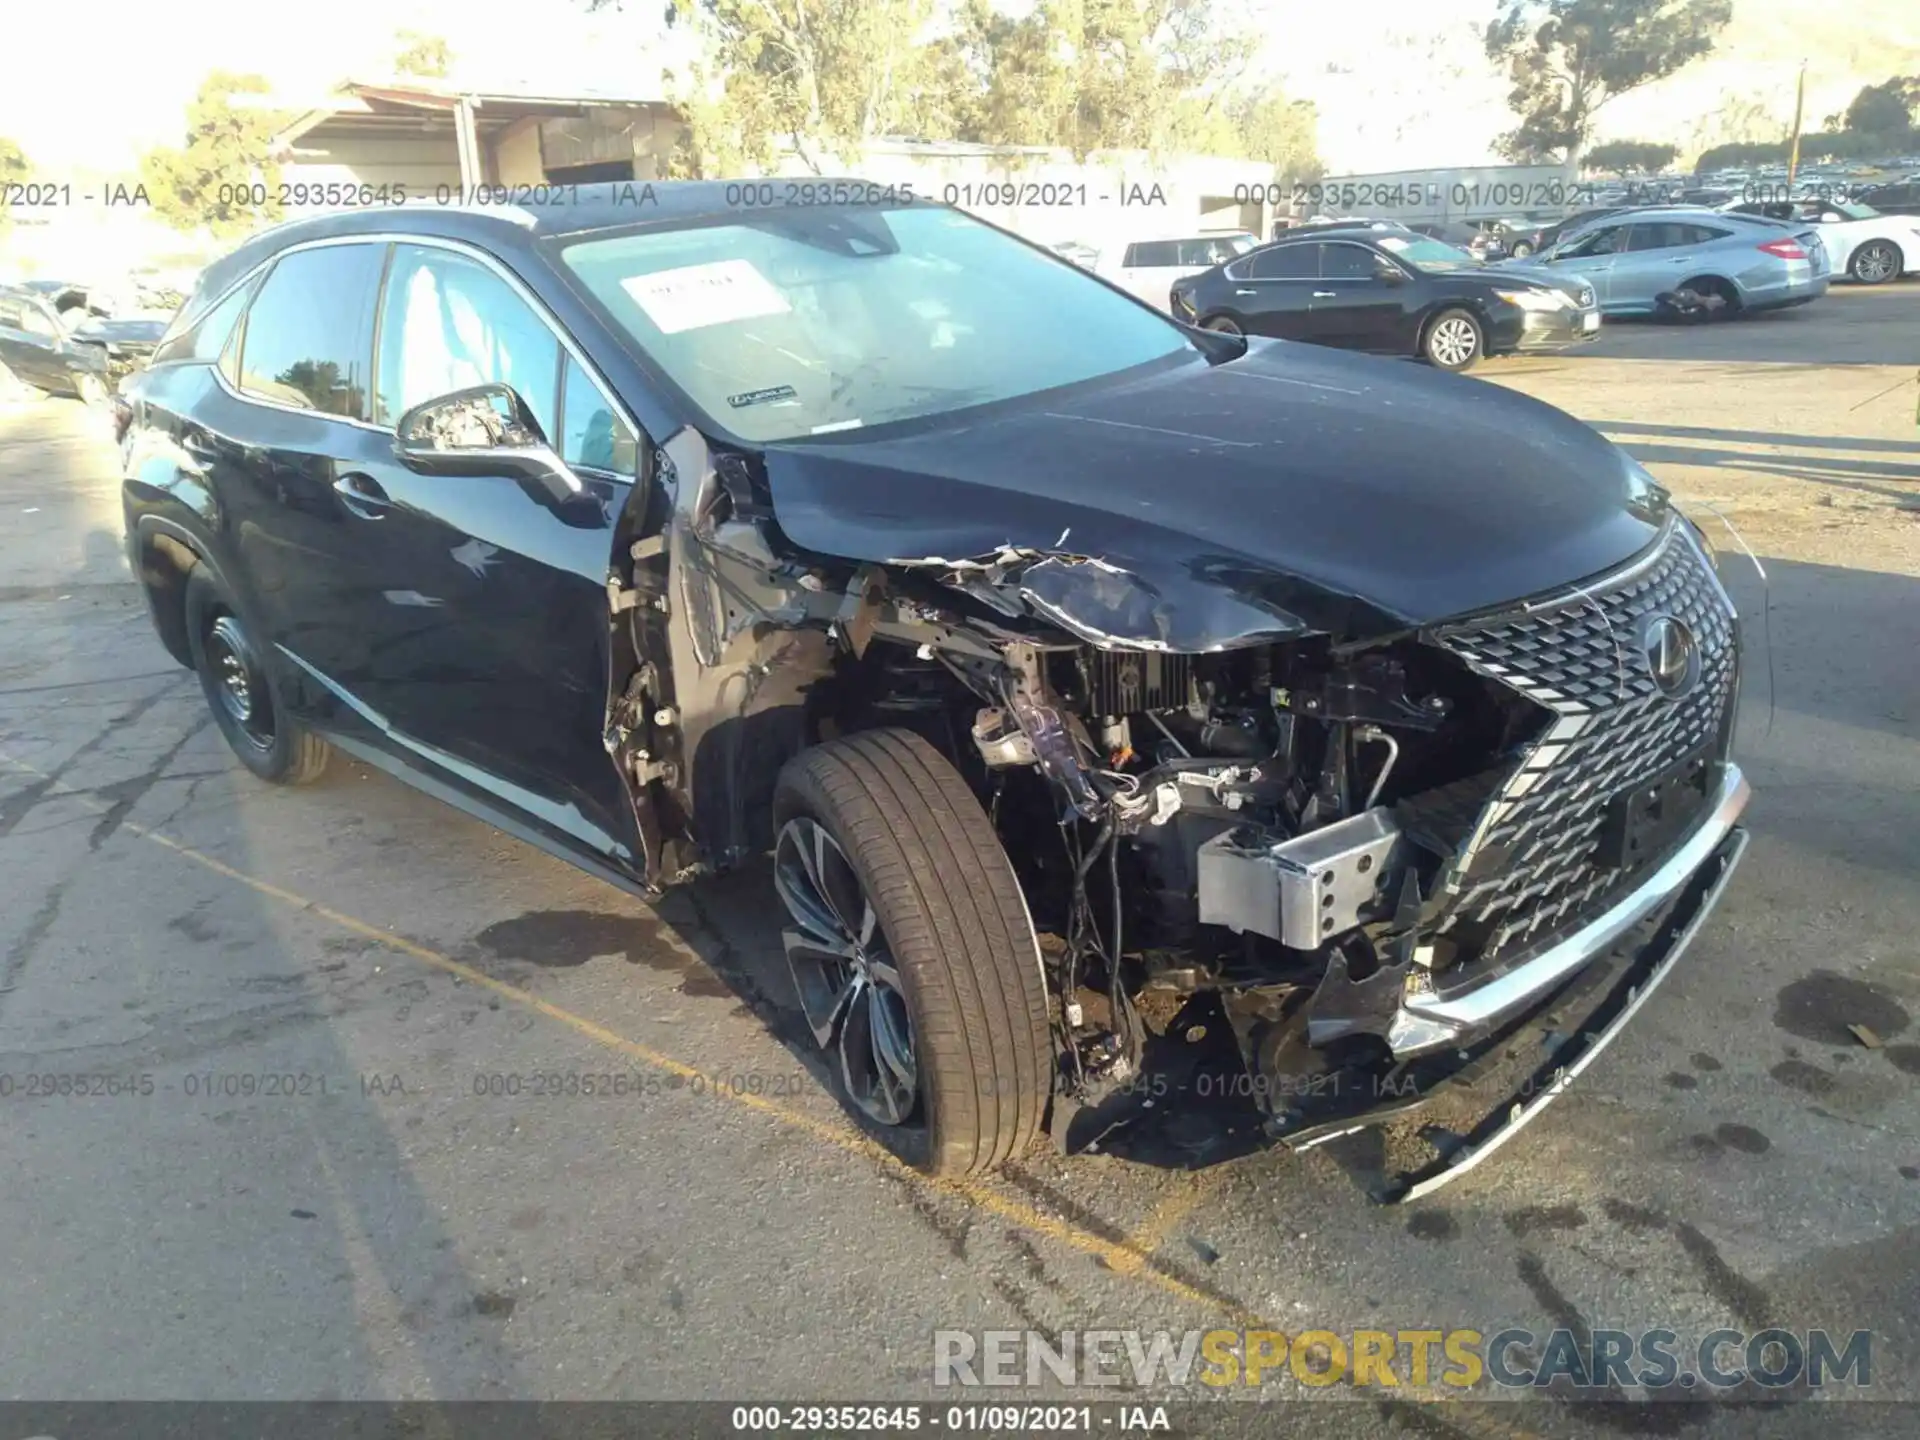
<point x="1428" y="877"/>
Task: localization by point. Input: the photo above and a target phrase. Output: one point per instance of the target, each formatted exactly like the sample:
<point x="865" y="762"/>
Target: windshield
<point x="1427" y="254"/>
<point x="797" y="322"/>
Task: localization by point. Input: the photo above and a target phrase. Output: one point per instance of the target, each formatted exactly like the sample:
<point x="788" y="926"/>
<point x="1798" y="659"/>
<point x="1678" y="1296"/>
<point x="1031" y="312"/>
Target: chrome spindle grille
<point x="1532" y="865"/>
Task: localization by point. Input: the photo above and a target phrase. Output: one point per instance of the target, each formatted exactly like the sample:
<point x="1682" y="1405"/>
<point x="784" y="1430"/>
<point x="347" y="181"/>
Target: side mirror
<point x="1391" y="275"/>
<point x="482" y="430"/>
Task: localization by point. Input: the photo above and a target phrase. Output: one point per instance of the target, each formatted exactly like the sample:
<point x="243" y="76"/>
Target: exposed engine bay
<point x="1335" y="838"/>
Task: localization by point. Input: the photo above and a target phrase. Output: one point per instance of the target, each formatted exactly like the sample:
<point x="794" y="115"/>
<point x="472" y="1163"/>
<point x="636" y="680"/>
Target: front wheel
<point x="912" y="951"/>
<point x="240" y="693"/>
<point x="1521" y="249"/>
<point x="1453" y="341"/>
<point x="1875" y="263"/>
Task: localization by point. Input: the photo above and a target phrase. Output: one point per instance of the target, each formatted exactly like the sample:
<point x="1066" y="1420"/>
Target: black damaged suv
<point x="1383" y="712"/>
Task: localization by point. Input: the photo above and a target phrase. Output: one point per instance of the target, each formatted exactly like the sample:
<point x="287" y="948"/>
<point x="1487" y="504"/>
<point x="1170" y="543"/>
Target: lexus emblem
<point x="1672" y="656"/>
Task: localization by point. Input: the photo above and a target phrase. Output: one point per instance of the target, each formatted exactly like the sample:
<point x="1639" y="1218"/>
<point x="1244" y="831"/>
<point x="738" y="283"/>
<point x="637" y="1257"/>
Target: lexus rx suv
<point x="1061" y="666"/>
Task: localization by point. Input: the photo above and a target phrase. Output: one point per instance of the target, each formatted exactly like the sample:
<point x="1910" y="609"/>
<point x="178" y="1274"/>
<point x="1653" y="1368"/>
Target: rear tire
<point x="903" y="906"/>
<point x="1453" y="340"/>
<point x="1521" y="250"/>
<point x="240" y="691"/>
<point x="1875" y="263"/>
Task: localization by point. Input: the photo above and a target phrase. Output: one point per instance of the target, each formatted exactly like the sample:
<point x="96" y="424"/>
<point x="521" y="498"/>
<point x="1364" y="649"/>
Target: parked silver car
<point x="1683" y="258"/>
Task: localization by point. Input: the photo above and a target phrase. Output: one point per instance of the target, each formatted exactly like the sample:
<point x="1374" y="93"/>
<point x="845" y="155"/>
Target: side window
<point x="1601" y="242"/>
<point x="1208" y="252"/>
<point x="1153" y="254"/>
<point x="309" y="333"/>
<point x="590" y="433"/>
<point x="1286" y="262"/>
<point x="1347" y="262"/>
<point x="1700" y="234"/>
<point x="450" y="322"/>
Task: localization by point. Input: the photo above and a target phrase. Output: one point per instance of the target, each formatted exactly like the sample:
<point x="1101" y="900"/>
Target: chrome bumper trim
<point x="1429" y="1021"/>
<point x="1562" y="1079"/>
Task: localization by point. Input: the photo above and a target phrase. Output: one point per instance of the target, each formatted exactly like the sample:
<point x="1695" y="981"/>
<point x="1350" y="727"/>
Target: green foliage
<point x="1887" y="108"/>
<point x="1622" y="156"/>
<point x="13" y="166"/>
<point x="828" y="76"/>
<point x="1814" y="148"/>
<point x="226" y="145"/>
<point x="424" y="55"/>
<point x="1567" y="58"/>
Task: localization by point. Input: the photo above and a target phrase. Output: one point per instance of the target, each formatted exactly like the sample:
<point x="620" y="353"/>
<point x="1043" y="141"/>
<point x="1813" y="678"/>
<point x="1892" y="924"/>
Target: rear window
<point x="1286" y="262"/>
<point x="208" y="337"/>
<point x="309" y="336"/>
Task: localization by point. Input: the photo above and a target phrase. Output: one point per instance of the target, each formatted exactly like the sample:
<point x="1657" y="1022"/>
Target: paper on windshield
<point x="692" y="297"/>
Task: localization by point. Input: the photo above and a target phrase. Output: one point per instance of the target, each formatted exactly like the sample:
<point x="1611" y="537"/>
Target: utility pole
<point x="1799" y="108"/>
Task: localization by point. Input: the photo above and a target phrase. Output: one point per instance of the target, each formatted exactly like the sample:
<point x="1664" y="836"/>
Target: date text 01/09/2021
<point x="976" y="1419"/>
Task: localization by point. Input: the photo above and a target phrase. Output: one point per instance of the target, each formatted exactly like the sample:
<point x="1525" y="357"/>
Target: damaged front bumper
<point x="1521" y="1038"/>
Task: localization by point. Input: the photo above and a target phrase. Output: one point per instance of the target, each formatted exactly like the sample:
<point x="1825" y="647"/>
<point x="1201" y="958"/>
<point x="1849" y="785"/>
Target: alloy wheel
<point x="1453" y="341"/>
<point x="237" y="682"/>
<point x="849" y="987"/>
<point x="1874" y="264"/>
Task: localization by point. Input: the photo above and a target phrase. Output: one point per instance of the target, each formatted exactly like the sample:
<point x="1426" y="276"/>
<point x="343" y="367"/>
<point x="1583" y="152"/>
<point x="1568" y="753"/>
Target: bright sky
<point x="1399" y="84"/>
<point x="133" y="88"/>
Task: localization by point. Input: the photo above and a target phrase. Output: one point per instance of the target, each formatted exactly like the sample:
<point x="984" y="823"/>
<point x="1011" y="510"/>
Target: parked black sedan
<point x="978" y="597"/>
<point x="1391" y="294"/>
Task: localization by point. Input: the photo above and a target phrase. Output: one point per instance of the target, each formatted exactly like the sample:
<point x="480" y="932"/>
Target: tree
<point x="1886" y="108"/>
<point x="212" y="179"/>
<point x="1620" y="156"/>
<point x="13" y="168"/>
<point x="1568" y="58"/>
<point x="425" y="55"/>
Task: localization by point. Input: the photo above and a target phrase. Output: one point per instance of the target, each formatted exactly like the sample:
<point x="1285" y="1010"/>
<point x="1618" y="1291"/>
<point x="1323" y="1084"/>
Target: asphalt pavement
<point x="291" y="1081"/>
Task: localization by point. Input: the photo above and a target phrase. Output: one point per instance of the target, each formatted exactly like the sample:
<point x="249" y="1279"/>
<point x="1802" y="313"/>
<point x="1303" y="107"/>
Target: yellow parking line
<point x="1123" y="1257"/>
<point x="1160" y="1223"/>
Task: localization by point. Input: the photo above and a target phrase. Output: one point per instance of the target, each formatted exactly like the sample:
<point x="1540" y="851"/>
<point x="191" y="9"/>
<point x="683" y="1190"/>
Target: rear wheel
<point x="1454" y="340"/>
<point x="912" y="952"/>
<point x="1875" y="263"/>
<point x="1522" y="249"/>
<point x="1708" y="297"/>
<point x="1225" y="324"/>
<point x="240" y="693"/>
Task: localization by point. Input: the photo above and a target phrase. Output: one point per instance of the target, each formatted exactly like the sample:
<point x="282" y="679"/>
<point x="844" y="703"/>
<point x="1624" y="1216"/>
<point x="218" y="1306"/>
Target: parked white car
<point x="1147" y="268"/>
<point x="1862" y="244"/>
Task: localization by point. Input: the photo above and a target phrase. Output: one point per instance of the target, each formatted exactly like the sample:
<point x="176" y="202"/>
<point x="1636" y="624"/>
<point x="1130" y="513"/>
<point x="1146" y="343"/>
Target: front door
<point x="1591" y="256"/>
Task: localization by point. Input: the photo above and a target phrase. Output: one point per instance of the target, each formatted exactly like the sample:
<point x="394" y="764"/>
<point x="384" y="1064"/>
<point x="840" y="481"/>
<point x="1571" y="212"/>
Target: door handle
<point x="361" y="495"/>
<point x="1246" y="292"/>
<point x="1681" y="260"/>
<point x="1326" y="294"/>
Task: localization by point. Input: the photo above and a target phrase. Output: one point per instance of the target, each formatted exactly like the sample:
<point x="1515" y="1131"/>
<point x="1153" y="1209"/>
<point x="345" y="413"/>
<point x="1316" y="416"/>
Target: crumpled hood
<point x="1328" y="491"/>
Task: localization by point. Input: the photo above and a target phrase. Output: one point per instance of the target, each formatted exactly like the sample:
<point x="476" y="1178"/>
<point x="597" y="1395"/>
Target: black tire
<point x="1709" y="286"/>
<point x="1876" y="262"/>
<point x="1521" y="249"/>
<point x="1222" y="324"/>
<point x="953" y="923"/>
<point x="1453" y="340"/>
<point x="266" y="740"/>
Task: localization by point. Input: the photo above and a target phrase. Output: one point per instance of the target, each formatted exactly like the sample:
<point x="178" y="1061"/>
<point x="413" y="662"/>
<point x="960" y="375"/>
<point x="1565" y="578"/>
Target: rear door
<point x="1659" y="256"/>
<point x="1272" y="290"/>
<point x="30" y="342"/>
<point x="1352" y="306"/>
